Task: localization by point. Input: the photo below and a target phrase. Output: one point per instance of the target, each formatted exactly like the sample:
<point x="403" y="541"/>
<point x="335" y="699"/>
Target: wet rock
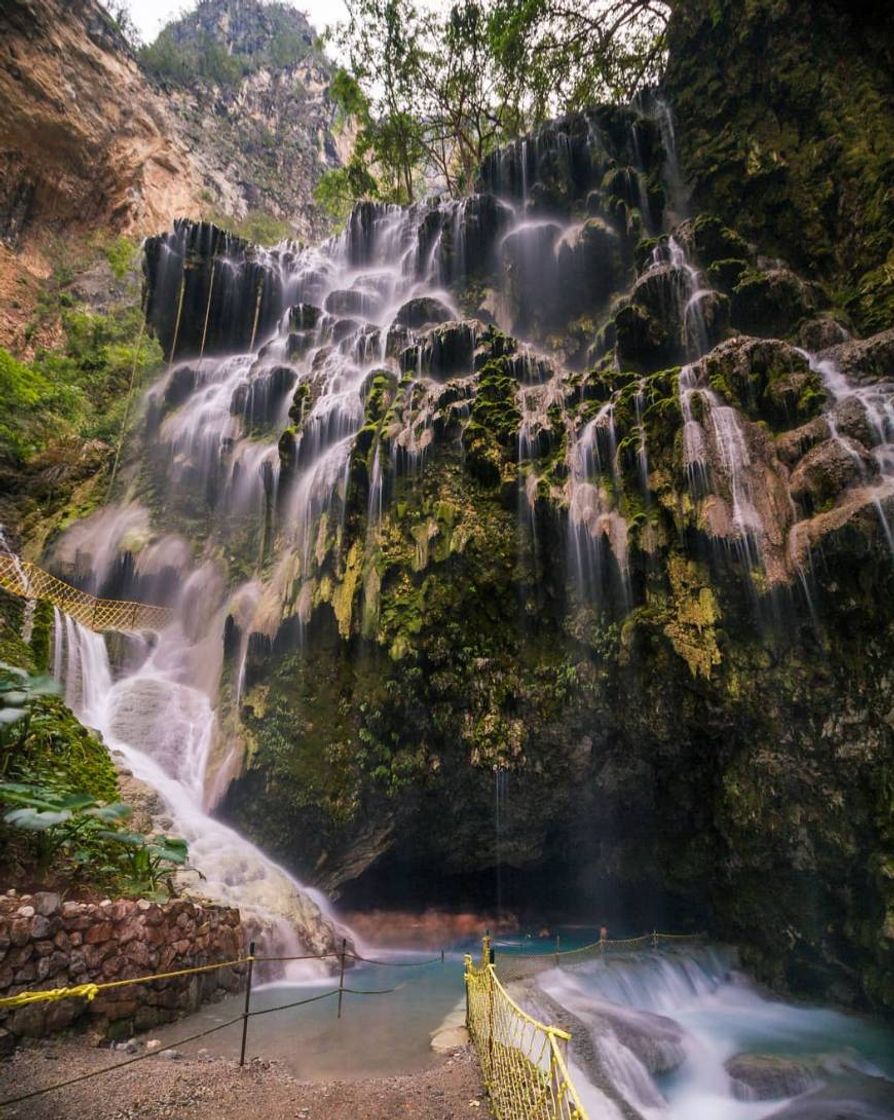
<point x="445" y="351"/>
<point x="764" y="1077"/>
<point x="351" y="302"/>
<point x="708" y="240"/>
<point x="422" y="312"/>
<point x="656" y="1040"/>
<point x="828" y="469"/>
<point x="793" y="445"/>
<point x="304" y="316"/>
<point x="870" y="1098"/>
<point x="589" y="262"/>
<point x="641" y="339"/>
<point x="866" y="360"/>
<point x="259" y="401"/>
<point x="820" y="334"/>
<point x="850" y="419"/>
<point x="772" y="304"/>
<point x="767" y="379"/>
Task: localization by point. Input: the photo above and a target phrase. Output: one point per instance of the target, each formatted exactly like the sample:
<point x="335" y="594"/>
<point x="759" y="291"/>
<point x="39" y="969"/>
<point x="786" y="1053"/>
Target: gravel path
<point x="160" y="1088"/>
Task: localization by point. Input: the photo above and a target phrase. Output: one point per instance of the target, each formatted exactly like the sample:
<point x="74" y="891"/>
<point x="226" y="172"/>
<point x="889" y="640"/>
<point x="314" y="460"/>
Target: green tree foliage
<point x="192" y="48"/>
<point x="79" y="390"/>
<point x="207" y="60"/>
<point x="573" y="54"/>
<point x="433" y="91"/>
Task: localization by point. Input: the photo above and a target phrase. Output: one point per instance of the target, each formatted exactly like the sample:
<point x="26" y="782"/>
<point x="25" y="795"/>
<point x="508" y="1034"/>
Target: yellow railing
<point x="522" y="1060"/>
<point x="518" y="966"/>
<point x="27" y="580"/>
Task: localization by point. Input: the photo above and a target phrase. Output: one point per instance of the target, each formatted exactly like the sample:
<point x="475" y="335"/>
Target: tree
<point x="119" y="13"/>
<point x="574" y="54"/>
<point x="434" y="91"/>
<point x="383" y="41"/>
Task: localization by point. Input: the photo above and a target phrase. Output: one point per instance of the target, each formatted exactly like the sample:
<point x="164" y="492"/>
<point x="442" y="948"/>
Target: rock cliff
<point x="90" y="140"/>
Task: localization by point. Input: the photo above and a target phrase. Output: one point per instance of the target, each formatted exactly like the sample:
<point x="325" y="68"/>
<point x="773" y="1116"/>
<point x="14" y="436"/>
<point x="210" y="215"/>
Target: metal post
<point x="251" y="962"/>
<point x="558" y="943"/>
<point x="468" y="970"/>
<point x="442" y="956"/>
<point x="654" y="939"/>
<point x="341" y="977"/>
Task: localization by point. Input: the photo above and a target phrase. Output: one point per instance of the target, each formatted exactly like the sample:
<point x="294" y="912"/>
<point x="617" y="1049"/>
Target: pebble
<point x="172" y="1055"/>
<point x="153" y="1044"/>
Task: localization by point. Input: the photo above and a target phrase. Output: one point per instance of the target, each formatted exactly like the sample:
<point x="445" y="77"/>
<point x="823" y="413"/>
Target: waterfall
<point x="876" y="403"/>
<point x="664" y="1024"/>
<point x="164" y="729"/>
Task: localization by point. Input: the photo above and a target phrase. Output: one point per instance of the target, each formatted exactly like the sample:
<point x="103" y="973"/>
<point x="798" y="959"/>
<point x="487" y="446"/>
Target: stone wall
<point x="48" y="943"/>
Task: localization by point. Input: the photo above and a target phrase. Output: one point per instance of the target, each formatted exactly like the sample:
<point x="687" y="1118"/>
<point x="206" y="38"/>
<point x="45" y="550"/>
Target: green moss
<point x="58" y="751"/>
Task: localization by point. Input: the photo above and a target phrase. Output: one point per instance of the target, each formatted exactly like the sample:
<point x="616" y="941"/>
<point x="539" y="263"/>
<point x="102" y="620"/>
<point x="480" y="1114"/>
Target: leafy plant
<point x="71" y="825"/>
<point x="17" y="690"/>
<point x="76" y="833"/>
<point x="150" y="859"/>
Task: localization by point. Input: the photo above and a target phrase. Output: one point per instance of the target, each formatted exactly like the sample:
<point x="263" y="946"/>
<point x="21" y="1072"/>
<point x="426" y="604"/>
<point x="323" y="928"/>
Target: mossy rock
<point x="772" y="304"/>
<point x="768" y="380"/>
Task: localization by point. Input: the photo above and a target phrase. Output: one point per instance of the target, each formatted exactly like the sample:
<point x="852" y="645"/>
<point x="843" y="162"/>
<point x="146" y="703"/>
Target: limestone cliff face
<point x="248" y="85"/>
<point x="84" y="141"/>
<point x="90" y="140"/>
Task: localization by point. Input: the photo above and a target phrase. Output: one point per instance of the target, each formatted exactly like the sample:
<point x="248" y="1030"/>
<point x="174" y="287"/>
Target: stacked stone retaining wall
<point x="46" y="942"/>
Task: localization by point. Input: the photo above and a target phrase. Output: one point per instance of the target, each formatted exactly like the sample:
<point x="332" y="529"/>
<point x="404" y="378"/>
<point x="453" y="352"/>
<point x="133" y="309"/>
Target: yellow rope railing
<point x="522" y="1059"/>
<point x="517" y="966"/>
<point x="91" y="991"/>
<point x="28" y="581"/>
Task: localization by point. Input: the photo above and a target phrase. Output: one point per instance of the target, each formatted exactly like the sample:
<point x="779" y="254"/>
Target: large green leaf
<point x="37" y="821"/>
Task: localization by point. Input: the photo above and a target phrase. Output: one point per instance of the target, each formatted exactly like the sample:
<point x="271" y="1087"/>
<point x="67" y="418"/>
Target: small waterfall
<point x="718" y="462"/>
<point x="165" y="731"/>
<point x="876" y="403"/>
<point x="664" y="1023"/>
<point x="597" y="531"/>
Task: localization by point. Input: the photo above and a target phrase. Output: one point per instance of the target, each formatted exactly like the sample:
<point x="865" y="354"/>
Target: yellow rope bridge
<point x="28" y="581"/>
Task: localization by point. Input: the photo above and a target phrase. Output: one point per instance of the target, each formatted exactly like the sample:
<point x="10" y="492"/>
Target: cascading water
<point x="165" y="731"/>
<point x="875" y="415"/>
<point x="668" y="1028"/>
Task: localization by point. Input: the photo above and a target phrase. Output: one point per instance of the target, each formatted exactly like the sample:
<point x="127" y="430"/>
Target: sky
<point x="150" y="16"/>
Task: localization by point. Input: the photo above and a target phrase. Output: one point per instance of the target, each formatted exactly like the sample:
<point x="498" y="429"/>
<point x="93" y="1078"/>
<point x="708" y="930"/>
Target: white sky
<point x="150" y="16"/>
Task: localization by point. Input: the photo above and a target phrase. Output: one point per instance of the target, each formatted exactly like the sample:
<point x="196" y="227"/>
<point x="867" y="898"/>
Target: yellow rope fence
<point x="518" y="966"/>
<point x="522" y="1060"/>
<point x="28" y="581"/>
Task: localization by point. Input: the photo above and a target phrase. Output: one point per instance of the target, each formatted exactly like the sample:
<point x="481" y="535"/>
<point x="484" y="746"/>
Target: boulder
<point x="767" y="379"/>
<point x="763" y="1077"/>
<point x="772" y="304"/>
<point x="866" y="360"/>
<point x="828" y="469"/>
<point x="422" y="312"/>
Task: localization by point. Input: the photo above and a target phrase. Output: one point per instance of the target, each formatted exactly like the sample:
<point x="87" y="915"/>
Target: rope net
<point x="28" y="581"/>
<point x="522" y="1060"/>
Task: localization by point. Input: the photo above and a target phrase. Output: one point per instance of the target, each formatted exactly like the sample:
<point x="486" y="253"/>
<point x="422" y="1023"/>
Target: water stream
<point x="664" y="1024"/>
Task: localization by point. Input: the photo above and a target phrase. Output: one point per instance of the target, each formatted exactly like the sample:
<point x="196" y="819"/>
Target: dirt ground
<point x="201" y="1085"/>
